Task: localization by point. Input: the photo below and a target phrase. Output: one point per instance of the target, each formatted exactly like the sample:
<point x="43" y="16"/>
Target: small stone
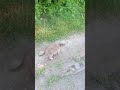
<point x="77" y="66"/>
<point x="41" y="53"/>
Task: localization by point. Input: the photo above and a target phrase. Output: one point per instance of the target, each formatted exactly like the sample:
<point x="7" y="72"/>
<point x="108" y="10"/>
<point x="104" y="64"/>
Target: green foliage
<point x="38" y="72"/>
<point x="53" y="79"/>
<point x="64" y="8"/>
<point x="56" y="18"/>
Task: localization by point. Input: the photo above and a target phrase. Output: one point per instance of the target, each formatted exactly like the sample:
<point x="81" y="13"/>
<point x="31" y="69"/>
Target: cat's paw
<point x="41" y="53"/>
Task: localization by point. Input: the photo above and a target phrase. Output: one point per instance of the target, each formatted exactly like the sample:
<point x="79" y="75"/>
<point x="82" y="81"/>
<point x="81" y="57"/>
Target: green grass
<point x="39" y="72"/>
<point x="57" y="29"/>
<point x="59" y="65"/>
<point x="53" y="79"/>
<point x="57" y="20"/>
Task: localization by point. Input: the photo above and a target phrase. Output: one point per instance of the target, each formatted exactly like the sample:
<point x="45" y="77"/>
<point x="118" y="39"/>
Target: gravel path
<point x="73" y="54"/>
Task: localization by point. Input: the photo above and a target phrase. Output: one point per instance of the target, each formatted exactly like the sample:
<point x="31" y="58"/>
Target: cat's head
<point x="62" y="43"/>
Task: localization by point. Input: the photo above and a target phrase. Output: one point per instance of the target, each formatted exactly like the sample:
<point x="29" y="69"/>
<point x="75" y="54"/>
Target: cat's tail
<point x="41" y="53"/>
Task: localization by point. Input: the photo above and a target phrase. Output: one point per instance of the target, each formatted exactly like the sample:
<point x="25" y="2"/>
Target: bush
<point x="57" y="18"/>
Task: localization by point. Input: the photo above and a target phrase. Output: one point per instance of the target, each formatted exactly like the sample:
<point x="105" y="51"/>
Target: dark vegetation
<point x="16" y="20"/>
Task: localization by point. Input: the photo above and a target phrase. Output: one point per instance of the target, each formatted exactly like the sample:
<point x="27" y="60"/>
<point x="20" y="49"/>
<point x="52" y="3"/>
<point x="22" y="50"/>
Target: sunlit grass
<point x="58" y="29"/>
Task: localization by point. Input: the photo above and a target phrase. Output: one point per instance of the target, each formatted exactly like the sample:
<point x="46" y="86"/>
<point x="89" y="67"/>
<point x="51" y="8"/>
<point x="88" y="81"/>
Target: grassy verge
<point x="58" y="28"/>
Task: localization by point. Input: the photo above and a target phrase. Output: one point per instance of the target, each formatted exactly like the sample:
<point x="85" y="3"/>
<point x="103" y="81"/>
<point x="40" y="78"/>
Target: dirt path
<point x="56" y="74"/>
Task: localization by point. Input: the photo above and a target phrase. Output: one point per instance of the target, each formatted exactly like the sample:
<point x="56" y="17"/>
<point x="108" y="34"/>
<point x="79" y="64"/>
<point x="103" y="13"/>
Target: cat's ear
<point x="61" y="44"/>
